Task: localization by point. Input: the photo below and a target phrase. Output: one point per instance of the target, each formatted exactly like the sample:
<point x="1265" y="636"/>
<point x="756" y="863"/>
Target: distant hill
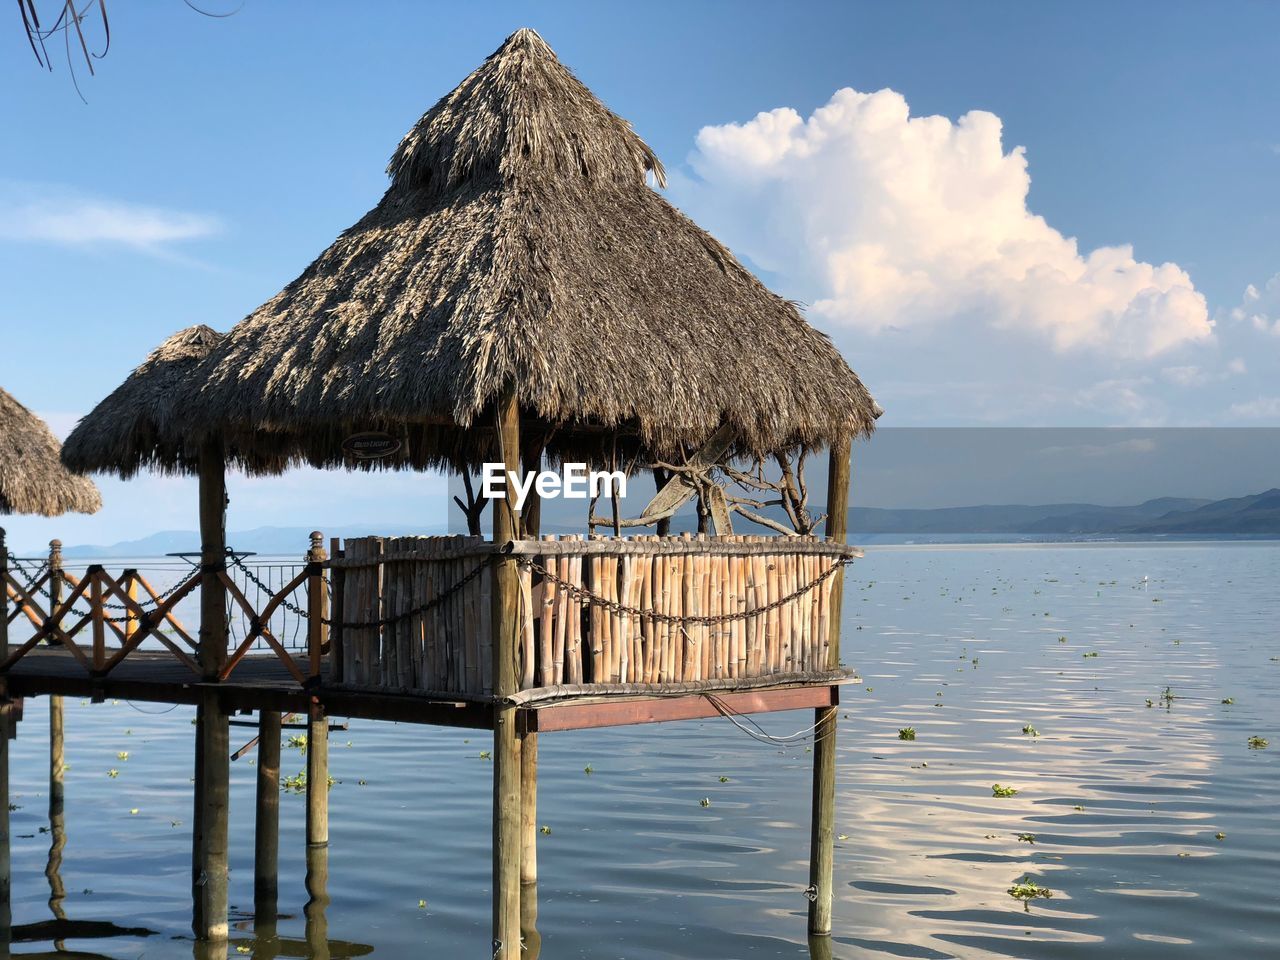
<point x="1257" y="515"/>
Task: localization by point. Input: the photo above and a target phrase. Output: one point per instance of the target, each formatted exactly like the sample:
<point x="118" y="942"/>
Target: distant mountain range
<point x="276" y="541"/>
<point x="1257" y="515"/>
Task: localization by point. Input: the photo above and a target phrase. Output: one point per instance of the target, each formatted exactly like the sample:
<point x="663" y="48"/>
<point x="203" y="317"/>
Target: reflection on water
<point x="1154" y="826"/>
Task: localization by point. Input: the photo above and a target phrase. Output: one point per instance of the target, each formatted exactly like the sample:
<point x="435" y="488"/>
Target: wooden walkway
<point x="261" y="682"/>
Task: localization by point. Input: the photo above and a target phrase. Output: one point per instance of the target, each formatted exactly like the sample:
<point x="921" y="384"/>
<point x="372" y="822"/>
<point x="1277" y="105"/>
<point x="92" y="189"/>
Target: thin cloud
<point x="53" y="214"/>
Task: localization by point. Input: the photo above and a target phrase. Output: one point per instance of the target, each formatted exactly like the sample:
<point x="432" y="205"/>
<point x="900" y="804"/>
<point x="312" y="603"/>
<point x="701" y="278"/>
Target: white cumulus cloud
<point x="884" y="220"/>
<point x="49" y="213"/>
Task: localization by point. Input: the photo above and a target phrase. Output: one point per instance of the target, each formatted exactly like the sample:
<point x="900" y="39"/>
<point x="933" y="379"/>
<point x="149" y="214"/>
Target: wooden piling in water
<point x="213" y="746"/>
<point x="822" y="839"/>
<point x="505" y="627"/>
<point x="317" y="777"/>
<point x="528" y="810"/>
<point x="266" y="822"/>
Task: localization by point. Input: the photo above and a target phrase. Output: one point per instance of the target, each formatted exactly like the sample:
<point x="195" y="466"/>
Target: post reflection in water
<point x="532" y="940"/>
<point x="317" y="928"/>
<point x="820" y="948"/>
<point x="57" y="819"/>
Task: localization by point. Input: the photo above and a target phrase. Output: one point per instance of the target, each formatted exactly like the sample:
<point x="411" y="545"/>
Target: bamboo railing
<point x="415" y="611"/>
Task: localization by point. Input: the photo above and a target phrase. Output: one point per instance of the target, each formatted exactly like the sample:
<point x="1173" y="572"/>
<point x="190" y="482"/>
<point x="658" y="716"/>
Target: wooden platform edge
<point x="694" y="706"/>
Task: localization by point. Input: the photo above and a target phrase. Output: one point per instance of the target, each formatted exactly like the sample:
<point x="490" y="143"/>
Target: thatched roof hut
<point x="144" y="422"/>
<point x="32" y="478"/>
<point x="520" y="246"/>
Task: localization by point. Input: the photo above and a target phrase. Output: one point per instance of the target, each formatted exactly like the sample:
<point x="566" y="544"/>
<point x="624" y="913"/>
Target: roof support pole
<point x="530" y="520"/>
<point x="822" y="840"/>
<point x="506" y="745"/>
<point x="213" y="747"/>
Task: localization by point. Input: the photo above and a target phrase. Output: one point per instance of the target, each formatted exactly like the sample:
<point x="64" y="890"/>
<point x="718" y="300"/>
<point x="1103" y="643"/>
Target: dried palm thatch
<point x="520" y="243"/>
<point x="32" y="479"/>
<point x="143" y="423"/>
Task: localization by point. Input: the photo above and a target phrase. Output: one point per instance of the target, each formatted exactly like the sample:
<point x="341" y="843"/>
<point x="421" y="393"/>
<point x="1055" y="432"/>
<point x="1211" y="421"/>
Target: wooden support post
<point x="57" y="754"/>
<point x="317" y="777"/>
<point x="822" y="840"/>
<point x="6" y="913"/>
<point x="266" y="823"/>
<point x="506" y="745"/>
<point x="213" y="746"/>
<point x="57" y="806"/>
<point x="529" y="809"/>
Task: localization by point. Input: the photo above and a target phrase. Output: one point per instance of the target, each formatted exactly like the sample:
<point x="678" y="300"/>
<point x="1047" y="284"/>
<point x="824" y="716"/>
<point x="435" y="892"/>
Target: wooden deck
<point x="261" y="682"/>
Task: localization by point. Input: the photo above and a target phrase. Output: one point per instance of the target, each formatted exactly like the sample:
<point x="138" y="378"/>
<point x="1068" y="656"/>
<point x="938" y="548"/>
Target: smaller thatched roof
<point x="32" y="478"/>
<point x="143" y="423"/>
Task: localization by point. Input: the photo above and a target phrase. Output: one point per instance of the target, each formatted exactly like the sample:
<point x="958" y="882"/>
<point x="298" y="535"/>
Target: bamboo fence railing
<point x="415" y="612"/>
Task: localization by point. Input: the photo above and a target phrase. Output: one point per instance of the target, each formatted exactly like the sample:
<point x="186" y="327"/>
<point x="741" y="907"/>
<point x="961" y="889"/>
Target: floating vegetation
<point x="907" y="733"/>
<point x="1228" y="700"/>
<point x="1168" y="696"/>
<point x="1150" y="702"/>
<point x="704" y="802"/>
<point x="113" y="773"/>
<point x="1219" y="835"/>
<point x="1027" y="890"/>
<point x="998" y="790"/>
<point x="545" y="830"/>
<point x="486" y="754"/>
<point x="1091" y="653"/>
<point x="133" y="812"/>
<point x="1027" y="838"/>
<point x="298" y="742"/>
<point x="1079" y="806"/>
<point x="843" y="836"/>
<point x="1062" y="639"/>
<point x="724" y="779"/>
<point x="122" y="755"/>
<point x="1258" y="743"/>
<point x="588" y="769"/>
<point x="242" y="948"/>
<point x="298" y="782"/>
<point x="422" y="904"/>
<point x="1030" y="731"/>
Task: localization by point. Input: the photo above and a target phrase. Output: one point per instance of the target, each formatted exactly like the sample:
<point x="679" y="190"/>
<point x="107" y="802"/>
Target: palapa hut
<point x="520" y="292"/>
<point x="32" y="478"/>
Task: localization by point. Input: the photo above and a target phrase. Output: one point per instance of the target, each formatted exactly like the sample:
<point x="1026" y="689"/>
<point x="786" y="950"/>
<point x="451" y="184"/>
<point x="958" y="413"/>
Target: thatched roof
<point x="144" y="422"/>
<point x="32" y="479"/>
<point x="520" y="244"/>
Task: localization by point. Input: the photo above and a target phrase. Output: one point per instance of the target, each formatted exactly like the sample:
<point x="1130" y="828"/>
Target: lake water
<point x="1125" y="791"/>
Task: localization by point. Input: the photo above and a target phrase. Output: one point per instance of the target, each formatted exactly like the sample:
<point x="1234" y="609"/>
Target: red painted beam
<point x="695" y="706"/>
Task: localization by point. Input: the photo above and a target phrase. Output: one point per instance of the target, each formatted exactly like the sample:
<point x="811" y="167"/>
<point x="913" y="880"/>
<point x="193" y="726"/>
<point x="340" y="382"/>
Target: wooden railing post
<point x="55" y="592"/>
<point x="506" y="744"/>
<point x="317" y="604"/>
<point x="822" y="840"/>
<point x="98" y="613"/>
<point x="266" y="828"/>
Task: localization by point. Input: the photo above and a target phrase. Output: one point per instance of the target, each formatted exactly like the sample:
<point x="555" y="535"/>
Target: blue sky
<point x="216" y="157"/>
